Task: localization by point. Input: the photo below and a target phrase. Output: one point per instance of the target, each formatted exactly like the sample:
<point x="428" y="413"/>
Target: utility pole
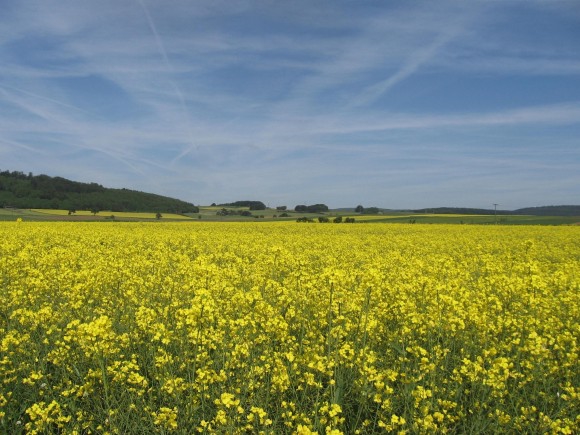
<point x="495" y="212"/>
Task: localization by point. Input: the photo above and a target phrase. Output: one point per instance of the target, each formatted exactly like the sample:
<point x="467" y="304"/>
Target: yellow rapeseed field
<point x="288" y="328"/>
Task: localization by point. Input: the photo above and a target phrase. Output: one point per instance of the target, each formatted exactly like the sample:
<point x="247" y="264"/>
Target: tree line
<point x="252" y="205"/>
<point x="21" y="190"/>
<point x="367" y="210"/>
<point x="316" y="208"/>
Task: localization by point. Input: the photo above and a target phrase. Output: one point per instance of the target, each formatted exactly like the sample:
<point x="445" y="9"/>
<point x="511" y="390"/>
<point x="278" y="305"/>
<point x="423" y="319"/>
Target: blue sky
<point x="404" y="104"/>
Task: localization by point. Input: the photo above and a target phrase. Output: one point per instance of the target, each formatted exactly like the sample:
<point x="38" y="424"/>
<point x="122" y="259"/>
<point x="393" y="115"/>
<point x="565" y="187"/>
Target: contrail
<point x="163" y="52"/>
<point x="375" y="91"/>
<point x="160" y="45"/>
<point x="21" y="145"/>
<point x="52" y="115"/>
<point x="50" y="100"/>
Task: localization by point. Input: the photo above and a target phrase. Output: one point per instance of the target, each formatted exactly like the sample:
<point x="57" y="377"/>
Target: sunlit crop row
<point x="288" y="328"/>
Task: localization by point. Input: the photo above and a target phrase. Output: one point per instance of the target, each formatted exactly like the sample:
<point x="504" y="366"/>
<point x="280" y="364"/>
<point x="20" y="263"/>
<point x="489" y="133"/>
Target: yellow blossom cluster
<point x="120" y="328"/>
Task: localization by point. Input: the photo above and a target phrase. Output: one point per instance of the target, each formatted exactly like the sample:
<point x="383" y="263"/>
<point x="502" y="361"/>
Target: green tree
<point x="317" y="208"/>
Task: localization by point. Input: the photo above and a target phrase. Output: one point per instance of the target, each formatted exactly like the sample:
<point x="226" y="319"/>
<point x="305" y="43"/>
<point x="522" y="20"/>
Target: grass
<point x="7" y="214"/>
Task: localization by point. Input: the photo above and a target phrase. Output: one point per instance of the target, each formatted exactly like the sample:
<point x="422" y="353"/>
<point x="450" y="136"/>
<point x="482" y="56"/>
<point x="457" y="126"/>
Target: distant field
<point x="209" y="213"/>
<point x="472" y="219"/>
<point x="10" y="214"/>
<point x="105" y="214"/>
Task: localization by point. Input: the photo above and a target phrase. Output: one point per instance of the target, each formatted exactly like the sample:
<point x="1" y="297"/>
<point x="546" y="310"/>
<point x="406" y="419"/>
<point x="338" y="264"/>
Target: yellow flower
<point x="166" y="417"/>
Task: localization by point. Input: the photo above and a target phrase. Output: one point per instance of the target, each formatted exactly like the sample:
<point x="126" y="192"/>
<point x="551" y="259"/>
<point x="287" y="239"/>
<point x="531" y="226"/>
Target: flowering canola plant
<point x="118" y="328"/>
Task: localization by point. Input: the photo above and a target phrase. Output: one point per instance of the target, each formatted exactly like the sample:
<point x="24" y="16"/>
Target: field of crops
<point x="116" y="214"/>
<point x="288" y="328"/>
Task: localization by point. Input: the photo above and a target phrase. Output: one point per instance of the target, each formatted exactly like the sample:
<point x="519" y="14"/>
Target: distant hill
<point x="460" y="210"/>
<point x="42" y="191"/>
<point x="551" y="210"/>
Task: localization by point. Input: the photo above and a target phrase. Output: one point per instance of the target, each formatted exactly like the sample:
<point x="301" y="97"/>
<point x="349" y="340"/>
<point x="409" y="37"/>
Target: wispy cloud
<point x="558" y="114"/>
<point x="178" y="92"/>
<point x="214" y="99"/>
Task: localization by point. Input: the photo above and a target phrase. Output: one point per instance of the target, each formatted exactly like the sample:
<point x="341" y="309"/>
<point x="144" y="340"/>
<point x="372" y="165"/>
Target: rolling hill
<point x="550" y="210"/>
<point x="20" y="190"/>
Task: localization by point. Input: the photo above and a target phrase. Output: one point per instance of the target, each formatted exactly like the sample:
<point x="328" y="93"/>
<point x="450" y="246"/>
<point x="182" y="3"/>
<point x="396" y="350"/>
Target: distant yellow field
<point x="119" y="214"/>
<point x="449" y="215"/>
<point x="416" y="215"/>
<point x="373" y="217"/>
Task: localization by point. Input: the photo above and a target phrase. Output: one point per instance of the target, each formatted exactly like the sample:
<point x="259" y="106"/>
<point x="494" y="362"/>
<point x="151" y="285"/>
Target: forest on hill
<point x="551" y="210"/>
<point x="20" y="190"/>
